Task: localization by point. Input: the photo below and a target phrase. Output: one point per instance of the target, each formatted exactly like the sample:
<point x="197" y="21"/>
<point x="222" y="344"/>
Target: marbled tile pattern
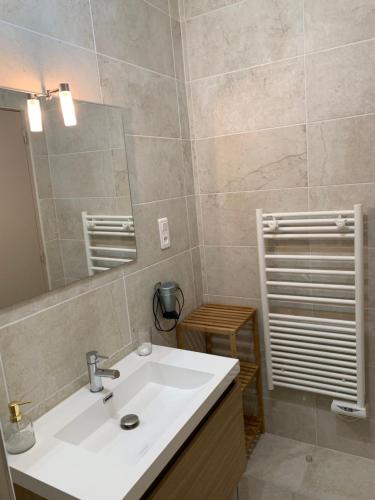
<point x="330" y="24"/>
<point x="264" y="97"/>
<point x="127" y="56"/>
<point x="196" y="7"/>
<point x="63" y="19"/>
<point x="250" y="33"/>
<point x="285" y="469"/>
<point x="257" y="160"/>
<point x="278" y="131"/>
<point x="346" y="75"/>
<point x="140" y="34"/>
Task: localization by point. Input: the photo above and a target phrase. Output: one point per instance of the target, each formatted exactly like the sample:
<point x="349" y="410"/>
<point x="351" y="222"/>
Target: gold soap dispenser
<point x="19" y="431"/>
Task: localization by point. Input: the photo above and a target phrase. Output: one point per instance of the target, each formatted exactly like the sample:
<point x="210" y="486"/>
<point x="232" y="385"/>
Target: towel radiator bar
<point x="99" y="257"/>
<point x="319" y="354"/>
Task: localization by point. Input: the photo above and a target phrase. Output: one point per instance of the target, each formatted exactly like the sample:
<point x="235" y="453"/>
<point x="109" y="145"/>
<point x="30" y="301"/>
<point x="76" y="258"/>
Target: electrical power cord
<point x="155" y="307"/>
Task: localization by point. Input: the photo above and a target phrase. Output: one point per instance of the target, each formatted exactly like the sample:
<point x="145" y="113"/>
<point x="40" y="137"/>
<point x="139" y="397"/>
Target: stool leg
<point x="233" y="346"/>
<point x="208" y="343"/>
<point x="259" y="387"/>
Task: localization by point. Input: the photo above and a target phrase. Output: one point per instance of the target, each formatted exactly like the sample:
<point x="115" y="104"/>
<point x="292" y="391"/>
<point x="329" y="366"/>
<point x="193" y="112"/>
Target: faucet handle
<point x="93" y="357"/>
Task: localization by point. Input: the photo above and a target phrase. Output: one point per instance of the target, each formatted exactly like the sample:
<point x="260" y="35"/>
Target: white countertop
<point x="58" y="469"/>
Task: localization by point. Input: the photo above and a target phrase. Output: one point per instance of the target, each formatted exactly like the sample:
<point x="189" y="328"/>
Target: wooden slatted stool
<point x="219" y="319"/>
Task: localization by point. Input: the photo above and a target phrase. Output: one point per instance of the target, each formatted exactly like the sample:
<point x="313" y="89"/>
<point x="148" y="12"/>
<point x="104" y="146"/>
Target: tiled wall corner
<point x="141" y="69"/>
<point x="282" y="117"/>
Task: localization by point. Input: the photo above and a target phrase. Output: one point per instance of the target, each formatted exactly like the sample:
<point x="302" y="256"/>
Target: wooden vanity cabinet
<point x="212" y="461"/>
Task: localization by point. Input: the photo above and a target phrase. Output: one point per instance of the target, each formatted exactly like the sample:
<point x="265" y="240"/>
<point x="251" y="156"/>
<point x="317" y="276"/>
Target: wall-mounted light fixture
<point x="66" y="103"/>
<point x="34" y="113"/>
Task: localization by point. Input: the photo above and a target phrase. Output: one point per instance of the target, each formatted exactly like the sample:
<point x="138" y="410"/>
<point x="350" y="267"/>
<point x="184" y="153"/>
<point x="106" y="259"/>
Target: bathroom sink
<point x="155" y="392"/>
<point x="81" y="450"/>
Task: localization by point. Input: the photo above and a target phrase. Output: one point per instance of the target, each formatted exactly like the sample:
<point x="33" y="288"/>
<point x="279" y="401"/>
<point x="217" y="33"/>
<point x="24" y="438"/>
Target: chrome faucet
<point x="95" y="373"/>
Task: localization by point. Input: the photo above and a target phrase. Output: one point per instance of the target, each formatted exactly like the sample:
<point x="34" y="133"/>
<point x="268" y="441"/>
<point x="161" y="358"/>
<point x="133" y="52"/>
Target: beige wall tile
<point x="188" y="167"/>
<point x="82" y="175"/>
<point x="73" y="256"/>
<point x="135" y="32"/>
<point x="54" y="263"/>
<point x="175" y="6"/>
<point x="257" y="160"/>
<point x="229" y="219"/>
<point x="140" y="290"/>
<point x="156" y="168"/>
<point x="196" y="7"/>
<point x="63" y="19"/>
<point x="355" y="437"/>
<point x="144" y="114"/>
<point x="48" y="217"/>
<point x="178" y="50"/>
<point x="28" y="59"/>
<point x="244" y="35"/>
<point x="57" y="340"/>
<point x="329" y="24"/>
<point x="197" y="270"/>
<point x="290" y="420"/>
<point x="42" y="176"/>
<point x="192" y="204"/>
<point x="184" y="109"/>
<point x="97" y="128"/>
<point x="69" y="217"/>
<point x="232" y="271"/>
<point x="346" y="75"/>
<point x="160" y="4"/>
<point x="148" y="239"/>
<point x="263" y="97"/>
<point x="342" y="151"/>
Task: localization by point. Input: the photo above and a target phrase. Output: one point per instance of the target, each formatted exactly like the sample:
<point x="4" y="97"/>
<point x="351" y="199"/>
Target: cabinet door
<point x="213" y="461"/>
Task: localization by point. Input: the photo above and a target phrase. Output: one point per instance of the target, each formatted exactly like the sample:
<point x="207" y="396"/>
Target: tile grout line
<point x="35" y="313"/>
<point x="2" y="373"/>
<point x="245" y="68"/>
<point x="208" y="12"/>
<point x="195" y="161"/>
<point x="280" y="61"/>
<point x="179" y="120"/>
<point x="93" y="289"/>
<point x="167" y="259"/>
<point x="144" y="68"/>
<point x="127" y="308"/>
<point x="157" y="8"/>
<point x="291" y="125"/>
<point x="86" y="49"/>
<point x="45" y="35"/>
<point x="305" y="102"/>
<point x="96" y="54"/>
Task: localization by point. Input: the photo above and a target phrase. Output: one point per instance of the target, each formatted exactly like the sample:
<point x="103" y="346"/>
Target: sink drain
<point x="129" y="422"/>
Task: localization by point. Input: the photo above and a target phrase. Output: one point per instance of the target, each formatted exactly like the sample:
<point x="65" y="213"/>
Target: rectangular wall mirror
<point x="65" y="203"/>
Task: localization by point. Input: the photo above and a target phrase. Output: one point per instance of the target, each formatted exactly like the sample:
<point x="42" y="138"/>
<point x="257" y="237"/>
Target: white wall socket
<point x="165" y="241"/>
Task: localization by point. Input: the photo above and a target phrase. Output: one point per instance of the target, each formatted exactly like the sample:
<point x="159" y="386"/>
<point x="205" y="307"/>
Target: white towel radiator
<point x="115" y="228"/>
<point x="315" y="352"/>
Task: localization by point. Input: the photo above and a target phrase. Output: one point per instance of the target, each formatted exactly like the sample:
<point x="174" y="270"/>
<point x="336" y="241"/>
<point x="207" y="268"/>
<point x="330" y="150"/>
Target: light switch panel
<point x="165" y="241"/>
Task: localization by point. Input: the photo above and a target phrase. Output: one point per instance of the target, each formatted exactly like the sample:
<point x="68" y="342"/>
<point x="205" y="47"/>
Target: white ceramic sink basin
<point x="82" y="452"/>
<point x="156" y="393"/>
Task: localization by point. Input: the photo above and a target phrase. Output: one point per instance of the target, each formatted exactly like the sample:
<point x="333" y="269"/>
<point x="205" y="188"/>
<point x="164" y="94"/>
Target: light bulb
<point x="35" y="114"/>
<point x="67" y="105"/>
